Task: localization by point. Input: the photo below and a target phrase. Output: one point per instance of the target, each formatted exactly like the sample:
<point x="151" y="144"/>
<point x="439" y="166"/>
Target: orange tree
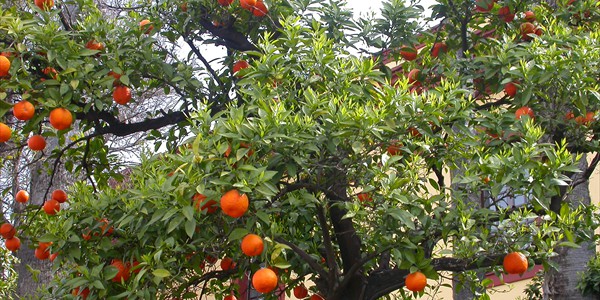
<point x="338" y="163"/>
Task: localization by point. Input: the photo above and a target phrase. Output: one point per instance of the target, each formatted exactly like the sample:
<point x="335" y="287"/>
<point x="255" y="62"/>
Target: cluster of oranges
<point x="51" y="206"/>
<point x="256" y="7"/>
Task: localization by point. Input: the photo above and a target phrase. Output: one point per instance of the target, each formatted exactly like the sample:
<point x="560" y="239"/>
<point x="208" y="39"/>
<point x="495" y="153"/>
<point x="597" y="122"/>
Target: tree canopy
<point x="358" y="149"/>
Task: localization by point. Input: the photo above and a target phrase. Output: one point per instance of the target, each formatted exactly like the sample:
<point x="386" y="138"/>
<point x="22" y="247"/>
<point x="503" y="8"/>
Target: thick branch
<point x="331" y="261"/>
<point x="312" y="263"/>
<point x="232" y="38"/>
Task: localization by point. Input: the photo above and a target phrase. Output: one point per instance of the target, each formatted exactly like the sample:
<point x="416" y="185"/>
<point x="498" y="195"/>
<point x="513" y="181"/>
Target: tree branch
<point x="305" y="256"/>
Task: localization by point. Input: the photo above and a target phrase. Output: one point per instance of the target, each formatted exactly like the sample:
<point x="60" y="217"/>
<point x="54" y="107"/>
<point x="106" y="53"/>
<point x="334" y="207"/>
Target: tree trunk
<point x="561" y="284"/>
<point x="33" y="273"/>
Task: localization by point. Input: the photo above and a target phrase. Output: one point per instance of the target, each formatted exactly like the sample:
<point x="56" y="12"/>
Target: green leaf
<point x="238" y="233"/>
<point x="188" y="212"/>
<point x="161" y="273"/>
<point x="190" y="227"/>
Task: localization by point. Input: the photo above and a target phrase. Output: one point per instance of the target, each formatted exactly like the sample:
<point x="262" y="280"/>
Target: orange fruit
<point x="300" y="291"/>
<point x="264" y="280"/>
<point x="525" y="110"/>
<point x="7" y="231"/>
<point x="123" y="270"/>
<point x="183" y="7"/>
<point x="437" y="47"/>
<point x="51" y="207"/>
<point x="146" y="26"/>
<point x="122" y="95"/>
<point x="61" y="118"/>
<point x="84" y="293"/>
<point x="53" y="256"/>
<point x="4" y="65"/>
<point x="364" y="197"/>
<point x="23" y="110"/>
<point x="510" y="89"/>
<point x="50" y="72"/>
<point x="260" y="9"/>
<point x="414" y="131"/>
<point x="415" y="282"/>
<point x="240" y="65"/>
<point x="225" y="2"/>
<point x="44" y="4"/>
<point x="227" y="264"/>
<point x="210" y="259"/>
<point x="59" y="195"/>
<point x="36" y="143"/>
<point x="22" y="196"/>
<point x="104" y="229"/>
<point x="413" y="75"/>
<point x="408" y="53"/>
<point x="41" y="253"/>
<point x="526" y="29"/>
<point x="247" y="4"/>
<point x="209" y="206"/>
<point x="515" y="263"/>
<point x="394" y="149"/>
<point x="252" y="245"/>
<point x="233" y="204"/>
<point x="5" y="133"/>
<point x="505" y="14"/>
<point x="13" y="244"/>
<point x="529" y="16"/>
<point x="230" y="297"/>
<point x="94" y="45"/>
<point x="316" y="297"/>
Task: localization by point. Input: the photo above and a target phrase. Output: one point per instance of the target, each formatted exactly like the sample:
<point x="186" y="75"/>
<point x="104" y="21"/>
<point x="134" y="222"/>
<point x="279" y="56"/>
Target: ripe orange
<point x="104" y="229"/>
<point x="233" y="204"/>
<point x="5" y="133"/>
<point x="122" y="94"/>
<point x="146" y="26"/>
<point x="260" y="9"/>
<point x="515" y="263"/>
<point x="230" y="297"/>
<point x="94" y="45"/>
<point x="394" y="149"/>
<point x="7" y="231"/>
<point x="525" y="110"/>
<point x="240" y="65"/>
<point x="437" y="47"/>
<point x="414" y="131"/>
<point x="227" y="264"/>
<point x="210" y="259"/>
<point x="589" y="118"/>
<point x="13" y="244"/>
<point x="300" y="291"/>
<point x="247" y="4"/>
<point x="252" y="245"/>
<point x="316" y="297"/>
<point x="22" y="196"/>
<point x="364" y="197"/>
<point x="61" y="118"/>
<point x="415" y="282"/>
<point x="53" y="256"/>
<point x="44" y="4"/>
<point x="41" y="253"/>
<point x="50" y="72"/>
<point x="84" y="293"/>
<point x="36" y="143"/>
<point x="23" y="110"/>
<point x="123" y="270"/>
<point x="526" y="29"/>
<point x="408" y="53"/>
<point x="529" y="16"/>
<point x="4" y="65"/>
<point x="183" y="7"/>
<point x="225" y="2"/>
<point x="60" y="196"/>
<point x="413" y="75"/>
<point x="510" y="89"/>
<point x="209" y="206"/>
<point x="505" y="14"/>
<point x="51" y="207"/>
<point x="480" y="5"/>
<point x="264" y="280"/>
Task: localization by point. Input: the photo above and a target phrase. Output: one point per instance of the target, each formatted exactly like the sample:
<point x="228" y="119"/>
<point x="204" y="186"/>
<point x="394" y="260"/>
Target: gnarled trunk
<point x="561" y="284"/>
